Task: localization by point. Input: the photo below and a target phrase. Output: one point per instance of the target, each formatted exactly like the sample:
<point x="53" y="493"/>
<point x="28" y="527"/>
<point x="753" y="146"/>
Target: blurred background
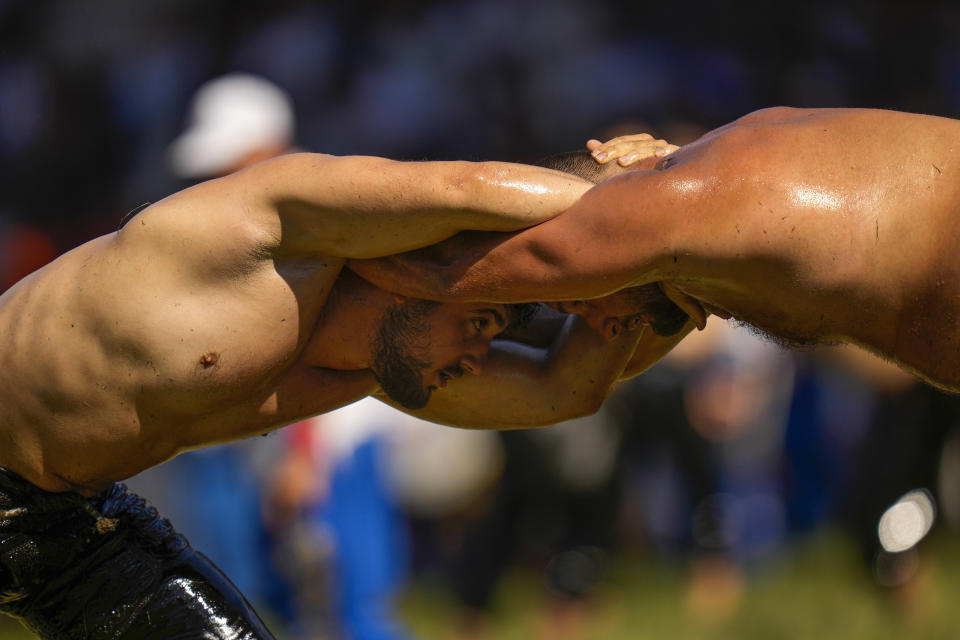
<point x="734" y="491"/>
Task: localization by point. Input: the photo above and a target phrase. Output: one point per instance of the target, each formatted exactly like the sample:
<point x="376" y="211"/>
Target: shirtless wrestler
<point x="815" y="226"/>
<point x="221" y="312"/>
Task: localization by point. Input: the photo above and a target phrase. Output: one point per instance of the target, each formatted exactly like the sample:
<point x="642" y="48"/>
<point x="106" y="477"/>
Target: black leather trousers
<point x="109" y="567"/>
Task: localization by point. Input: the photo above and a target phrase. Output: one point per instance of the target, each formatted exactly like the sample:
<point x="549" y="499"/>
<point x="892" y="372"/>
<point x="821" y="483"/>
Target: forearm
<point x="364" y="207"/>
<point x="504" y="196"/>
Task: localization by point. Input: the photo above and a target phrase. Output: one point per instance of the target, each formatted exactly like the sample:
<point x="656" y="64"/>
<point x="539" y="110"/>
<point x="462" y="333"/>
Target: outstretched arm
<point x="310" y="205"/>
<point x="359" y="206"/>
<point x="620" y="233"/>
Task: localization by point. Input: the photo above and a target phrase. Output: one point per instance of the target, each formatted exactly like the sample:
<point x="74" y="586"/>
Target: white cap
<point x="231" y="116"/>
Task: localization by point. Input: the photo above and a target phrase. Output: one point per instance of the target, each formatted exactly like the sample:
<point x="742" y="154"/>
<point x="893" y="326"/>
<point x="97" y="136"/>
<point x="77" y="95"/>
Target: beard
<point x="400" y="350"/>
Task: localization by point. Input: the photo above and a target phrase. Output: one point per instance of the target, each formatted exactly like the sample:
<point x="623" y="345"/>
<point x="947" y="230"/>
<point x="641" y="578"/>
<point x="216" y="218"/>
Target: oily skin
<point x="850" y="245"/>
<point x="223" y="311"/>
<point x="825" y="226"/>
<point x="819" y="225"/>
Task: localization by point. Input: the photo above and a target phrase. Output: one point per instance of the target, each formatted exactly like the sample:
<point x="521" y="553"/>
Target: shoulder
<point x="213" y="226"/>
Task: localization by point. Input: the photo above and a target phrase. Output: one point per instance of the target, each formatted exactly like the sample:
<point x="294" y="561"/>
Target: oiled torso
<point x="134" y="347"/>
<point x="834" y="225"/>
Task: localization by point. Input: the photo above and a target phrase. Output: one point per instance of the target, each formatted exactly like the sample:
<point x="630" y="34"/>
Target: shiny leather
<point x="109" y="567"/>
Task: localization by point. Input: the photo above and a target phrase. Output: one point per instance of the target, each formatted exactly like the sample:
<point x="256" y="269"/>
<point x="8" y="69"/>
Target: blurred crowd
<point x="719" y="457"/>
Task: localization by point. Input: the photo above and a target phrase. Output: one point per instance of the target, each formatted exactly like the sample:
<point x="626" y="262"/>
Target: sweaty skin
<point x="822" y="225"/>
<point x="223" y="312"/>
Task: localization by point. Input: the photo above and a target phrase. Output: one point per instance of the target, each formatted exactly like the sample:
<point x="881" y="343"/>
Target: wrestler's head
<point x="626" y="308"/>
<point x="420" y="345"/>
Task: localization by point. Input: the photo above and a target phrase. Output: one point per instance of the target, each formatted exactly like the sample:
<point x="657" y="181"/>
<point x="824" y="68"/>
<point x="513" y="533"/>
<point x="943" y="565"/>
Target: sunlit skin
<point x="822" y="225"/>
<point x="607" y="315"/>
<point x="224" y="311"/>
<point x="460" y="337"/>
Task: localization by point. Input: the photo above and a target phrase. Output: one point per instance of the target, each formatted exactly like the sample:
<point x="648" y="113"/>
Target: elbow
<point x="463" y="183"/>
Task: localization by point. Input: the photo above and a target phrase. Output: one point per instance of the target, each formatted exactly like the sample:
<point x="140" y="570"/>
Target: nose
<point x="474" y="357"/>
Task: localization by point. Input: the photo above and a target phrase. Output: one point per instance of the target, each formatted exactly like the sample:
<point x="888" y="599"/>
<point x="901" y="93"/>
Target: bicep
<point x="360" y="207"/>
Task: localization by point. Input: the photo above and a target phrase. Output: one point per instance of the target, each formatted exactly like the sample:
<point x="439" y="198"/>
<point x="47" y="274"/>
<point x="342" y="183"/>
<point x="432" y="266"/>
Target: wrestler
<point x="812" y="225"/>
<point x="222" y="312"/>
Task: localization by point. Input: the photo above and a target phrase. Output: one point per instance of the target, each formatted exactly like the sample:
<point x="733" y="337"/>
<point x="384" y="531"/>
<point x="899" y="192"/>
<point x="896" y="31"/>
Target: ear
<point x="611" y="328"/>
<point x="692" y="307"/>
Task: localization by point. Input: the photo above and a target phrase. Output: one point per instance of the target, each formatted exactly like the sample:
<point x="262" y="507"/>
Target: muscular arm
<point x="350" y="207"/>
<point x="359" y="206"/>
<point x="621" y="233"/>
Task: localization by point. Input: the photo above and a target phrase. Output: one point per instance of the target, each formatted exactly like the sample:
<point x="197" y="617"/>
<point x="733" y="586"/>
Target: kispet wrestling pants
<point x="109" y="567"/>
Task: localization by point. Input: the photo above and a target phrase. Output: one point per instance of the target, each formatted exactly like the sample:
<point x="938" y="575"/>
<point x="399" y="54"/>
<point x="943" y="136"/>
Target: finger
<point x="634" y="153"/>
<point x="628" y="141"/>
<point x="642" y="147"/>
<point x="632" y="138"/>
<point x="620" y="153"/>
<point x="665" y="151"/>
<point x="607" y="153"/>
<point x="593" y="143"/>
<point x="638" y="148"/>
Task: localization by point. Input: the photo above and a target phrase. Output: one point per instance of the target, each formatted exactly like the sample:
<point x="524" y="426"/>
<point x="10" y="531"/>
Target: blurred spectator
<point x="23" y="250"/>
<point x="337" y="506"/>
<point x="337" y="537"/>
<point x="554" y="507"/>
<point x="235" y="121"/>
<point x="705" y="435"/>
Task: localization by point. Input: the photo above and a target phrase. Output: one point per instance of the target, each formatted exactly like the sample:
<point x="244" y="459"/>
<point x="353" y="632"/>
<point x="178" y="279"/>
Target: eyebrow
<point x="497" y="316"/>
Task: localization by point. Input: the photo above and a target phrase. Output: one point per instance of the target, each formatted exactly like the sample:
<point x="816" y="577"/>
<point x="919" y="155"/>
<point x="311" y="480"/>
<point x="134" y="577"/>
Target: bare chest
<point x="208" y="348"/>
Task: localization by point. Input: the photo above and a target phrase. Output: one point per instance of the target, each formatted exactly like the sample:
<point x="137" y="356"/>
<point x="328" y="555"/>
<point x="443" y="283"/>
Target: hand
<point x="627" y="150"/>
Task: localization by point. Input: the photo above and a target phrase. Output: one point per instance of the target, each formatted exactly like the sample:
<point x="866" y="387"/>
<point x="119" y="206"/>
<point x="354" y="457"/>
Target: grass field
<point x="818" y="591"/>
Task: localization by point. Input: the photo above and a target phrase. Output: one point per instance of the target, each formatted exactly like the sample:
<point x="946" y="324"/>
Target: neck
<point x="342" y="338"/>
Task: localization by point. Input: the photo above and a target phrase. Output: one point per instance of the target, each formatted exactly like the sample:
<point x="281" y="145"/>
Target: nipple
<point x="207" y="360"/>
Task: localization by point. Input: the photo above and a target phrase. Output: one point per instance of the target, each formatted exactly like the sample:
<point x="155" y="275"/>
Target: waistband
<point x="19" y="495"/>
<point x="26" y="507"/>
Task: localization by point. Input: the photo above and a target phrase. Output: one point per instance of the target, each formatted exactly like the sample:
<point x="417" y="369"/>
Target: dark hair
<point x="668" y="318"/>
<point x="578" y="163"/>
<point x="522" y="313"/>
